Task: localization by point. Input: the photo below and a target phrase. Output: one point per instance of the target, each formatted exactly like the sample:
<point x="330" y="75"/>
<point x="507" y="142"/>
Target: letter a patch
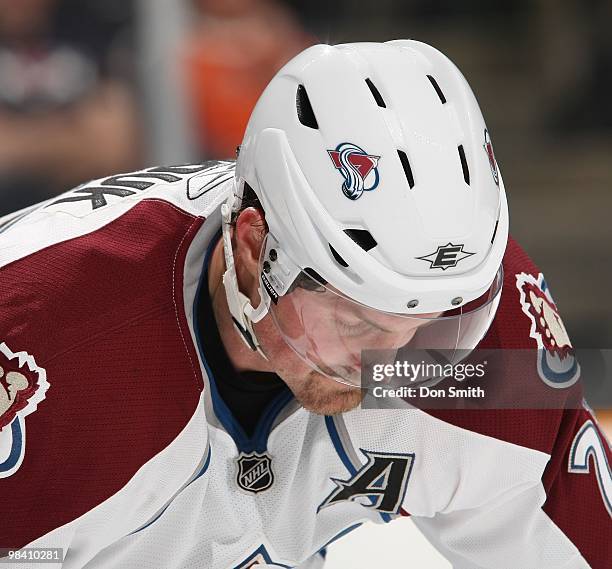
<point x="382" y="480"/>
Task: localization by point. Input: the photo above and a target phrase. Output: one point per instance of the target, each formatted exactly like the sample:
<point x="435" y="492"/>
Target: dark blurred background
<point x="93" y="87"/>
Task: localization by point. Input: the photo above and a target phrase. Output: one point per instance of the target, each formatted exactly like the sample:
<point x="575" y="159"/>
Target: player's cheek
<point x="274" y="345"/>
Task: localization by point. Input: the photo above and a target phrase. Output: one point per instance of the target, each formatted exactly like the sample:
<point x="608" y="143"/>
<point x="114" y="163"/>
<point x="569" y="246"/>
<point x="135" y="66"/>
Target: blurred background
<point x="93" y="87"/>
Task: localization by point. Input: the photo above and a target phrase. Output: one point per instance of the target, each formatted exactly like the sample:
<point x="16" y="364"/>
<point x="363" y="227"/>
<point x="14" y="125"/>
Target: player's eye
<point x="352" y="329"/>
<point x="356" y="327"/>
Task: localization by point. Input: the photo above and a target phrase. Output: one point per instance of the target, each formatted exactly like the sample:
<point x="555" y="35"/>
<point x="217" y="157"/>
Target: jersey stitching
<point x="124" y="324"/>
<point x="176" y="309"/>
<point x="173" y="206"/>
<point x="136" y="318"/>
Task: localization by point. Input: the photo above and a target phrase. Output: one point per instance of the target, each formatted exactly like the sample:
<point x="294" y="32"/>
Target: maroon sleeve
<point x="578" y="483"/>
<point x="578" y="477"/>
<point x="98" y="373"/>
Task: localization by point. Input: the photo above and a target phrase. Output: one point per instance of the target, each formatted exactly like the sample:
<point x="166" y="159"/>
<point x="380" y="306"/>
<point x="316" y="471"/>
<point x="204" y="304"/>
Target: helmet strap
<point x="243" y="313"/>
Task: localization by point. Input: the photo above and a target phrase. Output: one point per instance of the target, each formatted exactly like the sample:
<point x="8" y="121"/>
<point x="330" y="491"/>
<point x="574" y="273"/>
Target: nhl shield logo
<point x="254" y="472"/>
<point x="358" y="168"/>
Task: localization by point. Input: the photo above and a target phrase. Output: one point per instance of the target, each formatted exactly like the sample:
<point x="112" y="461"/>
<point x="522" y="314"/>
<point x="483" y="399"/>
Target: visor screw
<point x="266" y="267"/>
<point x="273" y="255"/>
<point x="457" y="300"/>
<point x="413" y="303"/>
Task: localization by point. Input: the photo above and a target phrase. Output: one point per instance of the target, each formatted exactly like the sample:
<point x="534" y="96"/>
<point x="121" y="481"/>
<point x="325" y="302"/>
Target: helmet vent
<point x="406" y="166"/>
<point x="376" y="94"/>
<point x="337" y="256"/>
<point x="495" y="231"/>
<point x="362" y="237"/>
<point x="437" y="88"/>
<point x="464" y="165"/>
<point x="304" y="108"/>
<point x="315" y="276"/>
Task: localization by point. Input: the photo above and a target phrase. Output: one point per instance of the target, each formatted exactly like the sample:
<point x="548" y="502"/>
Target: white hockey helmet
<point x="384" y="203"/>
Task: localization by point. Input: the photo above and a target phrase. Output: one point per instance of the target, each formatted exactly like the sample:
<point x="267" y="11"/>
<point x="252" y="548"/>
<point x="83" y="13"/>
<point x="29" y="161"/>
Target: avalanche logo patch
<point x="358" y="168"/>
<point x="254" y="472"/>
<point x="557" y="366"/>
<point x="23" y="386"/>
<point x="489" y="150"/>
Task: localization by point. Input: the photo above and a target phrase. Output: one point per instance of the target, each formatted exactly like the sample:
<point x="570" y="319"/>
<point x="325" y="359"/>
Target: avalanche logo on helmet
<point x="489" y="150"/>
<point x="358" y="168"/>
<point x="22" y="387"/>
<point x="557" y="366"/>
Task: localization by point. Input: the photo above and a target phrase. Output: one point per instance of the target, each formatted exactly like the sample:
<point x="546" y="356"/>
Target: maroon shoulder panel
<point x="103" y="315"/>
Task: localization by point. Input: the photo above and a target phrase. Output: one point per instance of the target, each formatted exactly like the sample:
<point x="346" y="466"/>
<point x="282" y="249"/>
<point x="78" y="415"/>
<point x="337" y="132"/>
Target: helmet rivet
<point x="273" y="255"/>
<point x="266" y="267"/>
<point x="457" y="300"/>
<point x="413" y="303"/>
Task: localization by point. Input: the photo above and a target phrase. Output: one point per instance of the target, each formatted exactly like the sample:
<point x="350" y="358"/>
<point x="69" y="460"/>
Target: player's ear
<point x="249" y="234"/>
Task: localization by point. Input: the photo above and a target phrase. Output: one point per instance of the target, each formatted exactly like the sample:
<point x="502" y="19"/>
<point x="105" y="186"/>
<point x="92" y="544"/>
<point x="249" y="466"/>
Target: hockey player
<point x="180" y="346"/>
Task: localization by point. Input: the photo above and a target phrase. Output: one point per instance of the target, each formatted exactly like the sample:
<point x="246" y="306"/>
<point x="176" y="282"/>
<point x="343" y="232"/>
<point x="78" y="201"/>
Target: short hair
<point x="311" y="282"/>
<point x="249" y="199"/>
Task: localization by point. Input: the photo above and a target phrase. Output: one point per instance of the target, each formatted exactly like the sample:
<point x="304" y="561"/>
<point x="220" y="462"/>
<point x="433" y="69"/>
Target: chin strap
<point x="243" y="313"/>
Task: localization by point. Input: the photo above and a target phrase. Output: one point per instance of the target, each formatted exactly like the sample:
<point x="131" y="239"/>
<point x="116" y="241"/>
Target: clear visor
<point x="329" y="331"/>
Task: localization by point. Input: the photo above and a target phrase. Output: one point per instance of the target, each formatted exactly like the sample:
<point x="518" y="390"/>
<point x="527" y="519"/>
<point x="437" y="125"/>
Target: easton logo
<point x="254" y="472"/>
<point x="489" y="150"/>
<point x="358" y="168"/>
<point x="446" y="256"/>
<point x="23" y="386"/>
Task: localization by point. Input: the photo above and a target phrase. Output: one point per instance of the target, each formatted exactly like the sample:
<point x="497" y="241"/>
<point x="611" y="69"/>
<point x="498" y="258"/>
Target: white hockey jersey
<point x="116" y="447"/>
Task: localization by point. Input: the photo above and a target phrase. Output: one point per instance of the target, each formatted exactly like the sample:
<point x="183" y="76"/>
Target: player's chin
<point x="325" y="396"/>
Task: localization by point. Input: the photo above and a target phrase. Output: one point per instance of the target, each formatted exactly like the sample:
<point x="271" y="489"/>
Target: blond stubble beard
<point x="316" y="392"/>
<point x="321" y="395"/>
